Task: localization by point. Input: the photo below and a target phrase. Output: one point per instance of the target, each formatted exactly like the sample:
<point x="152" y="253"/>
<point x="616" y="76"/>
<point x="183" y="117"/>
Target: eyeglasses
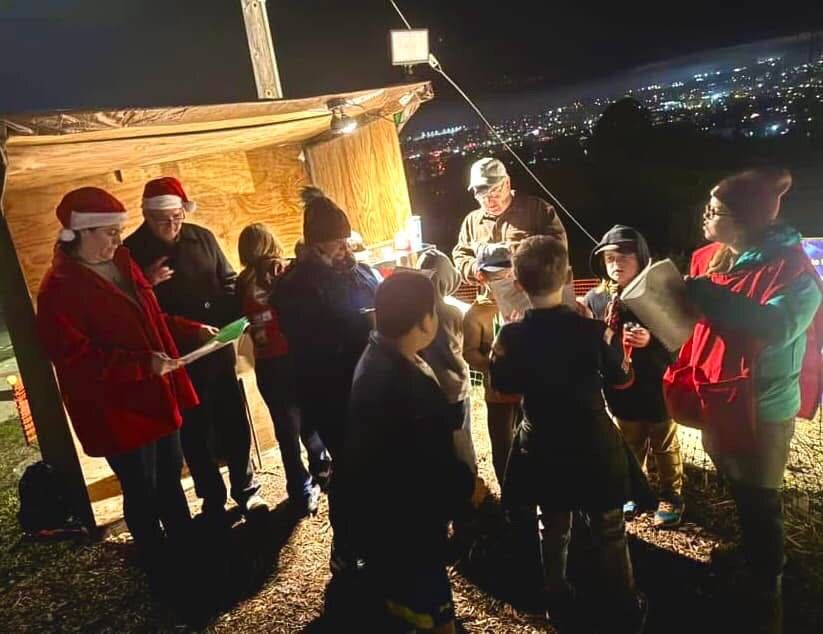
<point x="489" y="192"/>
<point x="176" y="219"/>
<point x="710" y="213"/>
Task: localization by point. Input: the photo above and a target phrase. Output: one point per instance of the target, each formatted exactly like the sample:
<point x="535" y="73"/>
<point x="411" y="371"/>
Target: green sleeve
<point x="783" y="318"/>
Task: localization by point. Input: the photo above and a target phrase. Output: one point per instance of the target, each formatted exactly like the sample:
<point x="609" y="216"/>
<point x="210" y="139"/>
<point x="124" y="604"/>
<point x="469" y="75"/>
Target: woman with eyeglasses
<point x="752" y="364"/>
<point x="116" y="357"/>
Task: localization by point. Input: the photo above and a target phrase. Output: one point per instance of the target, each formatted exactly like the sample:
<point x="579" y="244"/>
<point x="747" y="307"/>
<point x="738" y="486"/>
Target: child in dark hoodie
<point x="445" y="354"/>
<point x="640" y="411"/>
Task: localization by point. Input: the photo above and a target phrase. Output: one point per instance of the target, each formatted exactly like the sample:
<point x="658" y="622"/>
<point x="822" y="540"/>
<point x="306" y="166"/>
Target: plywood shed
<point x="242" y="163"/>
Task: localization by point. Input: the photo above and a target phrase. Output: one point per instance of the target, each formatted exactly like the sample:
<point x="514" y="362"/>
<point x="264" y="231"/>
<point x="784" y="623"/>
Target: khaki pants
<point x="661" y="440"/>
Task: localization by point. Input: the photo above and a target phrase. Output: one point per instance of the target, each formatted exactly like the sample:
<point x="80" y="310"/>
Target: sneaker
<point x="322" y="475"/>
<point x="306" y="504"/>
<point x="669" y="514"/>
<point x="256" y="504"/>
<point x="629" y="511"/>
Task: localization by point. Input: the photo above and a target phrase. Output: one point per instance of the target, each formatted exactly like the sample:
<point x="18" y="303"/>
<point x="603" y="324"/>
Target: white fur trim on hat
<point x="169" y="201"/>
<point x="66" y="235"/>
<point x="90" y="220"/>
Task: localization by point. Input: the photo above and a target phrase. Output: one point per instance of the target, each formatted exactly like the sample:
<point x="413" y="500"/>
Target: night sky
<point x="109" y="53"/>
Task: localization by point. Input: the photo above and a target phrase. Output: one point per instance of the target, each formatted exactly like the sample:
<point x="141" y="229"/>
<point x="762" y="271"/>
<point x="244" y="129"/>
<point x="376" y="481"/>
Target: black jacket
<point x="569" y="454"/>
<point x="643" y="401"/>
<point x="400" y="481"/>
<point x="202" y="287"/>
<point x="320" y="311"/>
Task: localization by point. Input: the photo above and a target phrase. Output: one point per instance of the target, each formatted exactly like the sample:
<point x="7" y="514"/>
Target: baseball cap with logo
<point x="486" y="172"/>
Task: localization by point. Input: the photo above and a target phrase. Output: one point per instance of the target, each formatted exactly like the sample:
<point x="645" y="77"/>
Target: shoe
<point x="629" y="511"/>
<point x="308" y="503"/>
<point x="669" y="514"/>
<point x="562" y="611"/>
<point x="213" y="515"/>
<point x="727" y="557"/>
<point x="255" y="505"/>
<point x="322" y="475"/>
<point x="638" y="623"/>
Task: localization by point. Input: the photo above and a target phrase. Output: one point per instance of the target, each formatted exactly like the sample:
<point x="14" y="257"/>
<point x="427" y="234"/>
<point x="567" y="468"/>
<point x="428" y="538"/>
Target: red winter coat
<point x="711" y="385"/>
<point x="100" y="342"/>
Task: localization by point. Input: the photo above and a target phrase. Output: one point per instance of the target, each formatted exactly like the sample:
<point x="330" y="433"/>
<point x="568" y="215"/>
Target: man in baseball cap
<point x="503" y="218"/>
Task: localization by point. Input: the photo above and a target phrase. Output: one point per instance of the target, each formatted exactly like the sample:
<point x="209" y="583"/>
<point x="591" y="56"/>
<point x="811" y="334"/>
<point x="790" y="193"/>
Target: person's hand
<point x="161" y="363"/>
<point x="515" y="315"/>
<point x="637" y="337"/>
<point x="207" y="332"/>
<point x="157" y="272"/>
<point x="583" y="310"/>
<point x="480" y="493"/>
<point x="481" y="277"/>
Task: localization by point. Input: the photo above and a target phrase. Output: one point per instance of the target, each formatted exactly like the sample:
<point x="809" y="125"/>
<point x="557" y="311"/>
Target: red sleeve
<point x="72" y="350"/>
<point x="701" y="258"/>
<point x="185" y="331"/>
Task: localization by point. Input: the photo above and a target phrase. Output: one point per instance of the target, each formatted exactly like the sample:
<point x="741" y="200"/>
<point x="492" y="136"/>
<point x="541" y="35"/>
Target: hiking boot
<point x="669" y="513"/>
<point x="629" y="511"/>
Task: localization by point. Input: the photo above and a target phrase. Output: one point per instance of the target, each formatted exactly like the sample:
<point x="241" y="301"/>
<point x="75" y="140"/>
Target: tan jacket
<point x="526" y="216"/>
<point x="478" y="337"/>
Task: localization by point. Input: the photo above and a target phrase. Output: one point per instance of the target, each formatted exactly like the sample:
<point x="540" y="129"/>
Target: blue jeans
<point x="150" y="479"/>
<point x="275" y="380"/>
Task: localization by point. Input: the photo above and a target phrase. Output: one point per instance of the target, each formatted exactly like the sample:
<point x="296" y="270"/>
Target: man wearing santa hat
<point x="192" y="278"/>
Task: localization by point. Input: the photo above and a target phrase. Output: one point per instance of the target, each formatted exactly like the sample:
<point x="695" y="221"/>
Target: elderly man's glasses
<point x="170" y="221"/>
<point x="489" y="192"/>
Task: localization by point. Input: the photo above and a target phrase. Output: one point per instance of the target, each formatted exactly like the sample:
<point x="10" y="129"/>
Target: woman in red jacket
<point x="115" y="358"/>
<point x="752" y="364"/>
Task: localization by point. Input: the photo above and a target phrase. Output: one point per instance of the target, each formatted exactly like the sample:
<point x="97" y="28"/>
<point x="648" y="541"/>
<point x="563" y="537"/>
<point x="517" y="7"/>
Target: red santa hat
<point x="166" y="193"/>
<point x="87" y="208"/>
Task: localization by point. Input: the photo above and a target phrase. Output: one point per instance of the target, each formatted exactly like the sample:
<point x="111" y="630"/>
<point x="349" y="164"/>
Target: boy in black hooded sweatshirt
<point x="640" y="410"/>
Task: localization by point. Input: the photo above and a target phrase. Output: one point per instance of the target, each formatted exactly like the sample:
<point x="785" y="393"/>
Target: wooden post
<point x="261" y="49"/>
<point x="53" y="434"/>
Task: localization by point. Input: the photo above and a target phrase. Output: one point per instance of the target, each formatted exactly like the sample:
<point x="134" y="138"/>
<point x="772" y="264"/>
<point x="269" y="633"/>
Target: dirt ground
<point x="271" y="576"/>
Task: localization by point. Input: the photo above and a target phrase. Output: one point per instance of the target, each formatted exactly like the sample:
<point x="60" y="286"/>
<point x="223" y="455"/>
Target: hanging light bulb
<point x="341" y="123"/>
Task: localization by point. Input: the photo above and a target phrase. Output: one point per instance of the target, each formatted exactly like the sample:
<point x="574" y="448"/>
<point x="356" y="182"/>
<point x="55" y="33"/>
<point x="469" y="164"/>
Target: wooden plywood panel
<point x="363" y="173"/>
<point x="232" y="190"/>
<point x="42" y="165"/>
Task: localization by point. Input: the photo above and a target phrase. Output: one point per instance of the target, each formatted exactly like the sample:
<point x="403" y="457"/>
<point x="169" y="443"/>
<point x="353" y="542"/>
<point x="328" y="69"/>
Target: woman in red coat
<point x="115" y="358"/>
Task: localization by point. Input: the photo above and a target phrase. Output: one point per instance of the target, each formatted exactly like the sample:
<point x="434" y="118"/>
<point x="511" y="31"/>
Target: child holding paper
<point x="640" y="411"/>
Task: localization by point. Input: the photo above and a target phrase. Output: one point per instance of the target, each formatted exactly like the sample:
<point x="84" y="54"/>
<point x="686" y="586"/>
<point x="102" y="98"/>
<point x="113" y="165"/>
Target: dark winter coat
<point x="569" y="454"/>
<point x="643" y="401"/>
<point x="202" y="287"/>
<point x="321" y="312"/>
<point x="401" y="481"/>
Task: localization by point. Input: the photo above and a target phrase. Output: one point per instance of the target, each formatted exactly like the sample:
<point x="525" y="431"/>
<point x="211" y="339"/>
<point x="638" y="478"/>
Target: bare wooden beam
<point x="53" y="434"/>
<point x="261" y="49"/>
